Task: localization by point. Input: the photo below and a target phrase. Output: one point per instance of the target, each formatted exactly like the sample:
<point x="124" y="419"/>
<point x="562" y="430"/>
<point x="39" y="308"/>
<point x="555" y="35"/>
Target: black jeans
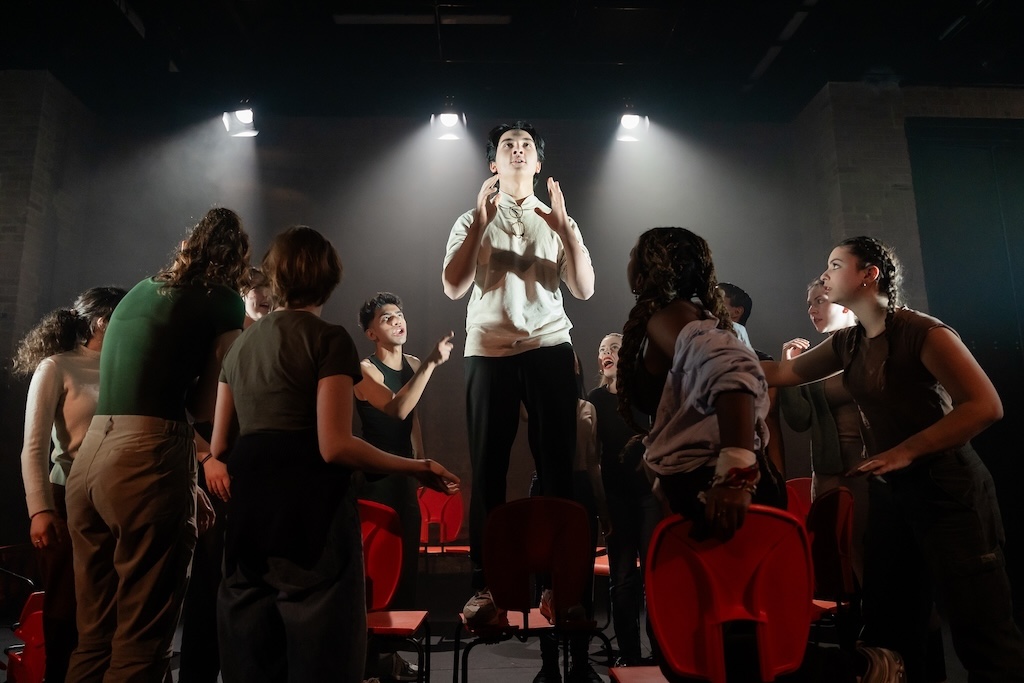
<point x="544" y="381"/>
<point x="634" y="513"/>
<point x="936" y="525"/>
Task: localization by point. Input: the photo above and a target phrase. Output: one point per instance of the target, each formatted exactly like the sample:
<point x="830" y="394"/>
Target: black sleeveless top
<point x="383" y="431"/>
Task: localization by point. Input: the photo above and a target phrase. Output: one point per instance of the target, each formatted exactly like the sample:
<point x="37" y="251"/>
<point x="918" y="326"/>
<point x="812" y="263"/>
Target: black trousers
<point x="544" y="381"/>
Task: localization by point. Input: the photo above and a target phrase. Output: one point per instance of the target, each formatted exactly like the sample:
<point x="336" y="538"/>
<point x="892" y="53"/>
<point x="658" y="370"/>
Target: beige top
<point x="61" y="403"/>
<point x="515" y="303"/>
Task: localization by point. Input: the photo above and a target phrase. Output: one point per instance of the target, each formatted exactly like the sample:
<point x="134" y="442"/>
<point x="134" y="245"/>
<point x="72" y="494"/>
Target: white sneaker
<point x="480" y="611"/>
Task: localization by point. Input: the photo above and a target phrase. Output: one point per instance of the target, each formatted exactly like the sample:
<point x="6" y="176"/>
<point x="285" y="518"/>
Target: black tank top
<point x="379" y="429"/>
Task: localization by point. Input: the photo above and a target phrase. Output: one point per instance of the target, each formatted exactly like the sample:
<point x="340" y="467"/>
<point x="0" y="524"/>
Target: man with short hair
<point x="386" y="398"/>
<point x="511" y="253"/>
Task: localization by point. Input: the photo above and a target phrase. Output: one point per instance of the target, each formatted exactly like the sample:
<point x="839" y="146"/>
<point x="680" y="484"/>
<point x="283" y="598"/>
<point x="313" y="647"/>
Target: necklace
<point x="514" y="214"/>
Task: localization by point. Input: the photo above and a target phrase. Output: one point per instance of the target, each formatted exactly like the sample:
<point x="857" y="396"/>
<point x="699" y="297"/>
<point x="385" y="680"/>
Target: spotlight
<point x="450" y="124"/>
<point x="632" y="126"/>
<point x="240" y="123"/>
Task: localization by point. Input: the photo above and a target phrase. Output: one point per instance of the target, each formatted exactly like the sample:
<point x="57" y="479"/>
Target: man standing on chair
<point x="511" y="253"/>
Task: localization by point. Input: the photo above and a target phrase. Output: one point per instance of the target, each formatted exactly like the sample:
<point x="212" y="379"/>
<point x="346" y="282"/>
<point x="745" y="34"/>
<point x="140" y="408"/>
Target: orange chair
<point x="382" y="557"/>
<point x="524" y="538"/>
<point x="695" y="587"/>
<point x="798" y="496"/>
<point x="26" y="663"/>
<point x="830" y="529"/>
<point x="442" y="512"/>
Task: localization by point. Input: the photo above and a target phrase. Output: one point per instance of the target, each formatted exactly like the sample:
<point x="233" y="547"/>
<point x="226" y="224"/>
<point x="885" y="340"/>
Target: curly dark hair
<point x="668" y="264"/>
<point x="216" y="252"/>
<point x="371" y="306"/>
<point x="63" y="329"/>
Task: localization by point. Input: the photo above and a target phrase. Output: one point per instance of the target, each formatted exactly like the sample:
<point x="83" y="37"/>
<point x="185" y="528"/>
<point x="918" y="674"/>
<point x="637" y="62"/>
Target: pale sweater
<point x="707" y="362"/>
<point x="61" y="403"/>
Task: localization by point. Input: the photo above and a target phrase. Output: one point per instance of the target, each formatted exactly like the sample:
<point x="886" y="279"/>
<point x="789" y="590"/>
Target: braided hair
<point x="668" y="264"/>
<point x="65" y="328"/>
<point x="872" y="252"/>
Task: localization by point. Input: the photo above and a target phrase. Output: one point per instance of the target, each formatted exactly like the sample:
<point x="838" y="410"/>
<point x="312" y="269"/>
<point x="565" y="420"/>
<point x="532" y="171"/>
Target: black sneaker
<point x="583" y="673"/>
<point x="548" y="674"/>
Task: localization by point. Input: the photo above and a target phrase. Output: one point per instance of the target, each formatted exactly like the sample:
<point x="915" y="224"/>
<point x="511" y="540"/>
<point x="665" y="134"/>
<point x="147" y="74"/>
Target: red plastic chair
<point x="442" y="512"/>
<point x="524" y="538"/>
<point x="798" y="497"/>
<point x="830" y="530"/>
<point x="382" y="558"/>
<point x="694" y="587"/>
<point x="26" y="663"/>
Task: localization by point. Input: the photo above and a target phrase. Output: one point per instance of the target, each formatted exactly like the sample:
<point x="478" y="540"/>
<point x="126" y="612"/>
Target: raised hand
<point x="558" y="218"/>
<point x="440" y="353"/>
<point x="794" y="347"/>
<point x="487" y="200"/>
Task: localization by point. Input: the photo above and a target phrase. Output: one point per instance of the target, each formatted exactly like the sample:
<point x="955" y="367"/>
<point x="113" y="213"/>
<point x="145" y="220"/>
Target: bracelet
<point x="208" y="456"/>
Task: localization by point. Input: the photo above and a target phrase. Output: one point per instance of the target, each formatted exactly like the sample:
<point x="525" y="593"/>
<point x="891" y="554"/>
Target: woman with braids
<point x="132" y="511"/>
<point x="933" y="520"/>
<point x="708" y="436"/>
<point x="62" y="353"/>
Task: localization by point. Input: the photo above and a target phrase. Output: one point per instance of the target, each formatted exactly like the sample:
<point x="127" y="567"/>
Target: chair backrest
<point x="798" y="497"/>
<point x="34" y="603"/>
<point x="537" y="535"/>
<point x="762" y="574"/>
<point x="442" y="510"/>
<point x="382" y="552"/>
<point x="28" y="665"/>
<point x="830" y="529"/>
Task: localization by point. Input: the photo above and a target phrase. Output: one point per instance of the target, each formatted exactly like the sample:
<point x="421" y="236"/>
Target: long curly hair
<point x="668" y="264"/>
<point x="216" y="252"/>
<point x="65" y="328"/>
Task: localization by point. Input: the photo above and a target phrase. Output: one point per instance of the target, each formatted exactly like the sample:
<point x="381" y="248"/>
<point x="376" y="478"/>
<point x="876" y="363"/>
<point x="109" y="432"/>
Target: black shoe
<point x="583" y="673"/>
<point x="548" y="674"/>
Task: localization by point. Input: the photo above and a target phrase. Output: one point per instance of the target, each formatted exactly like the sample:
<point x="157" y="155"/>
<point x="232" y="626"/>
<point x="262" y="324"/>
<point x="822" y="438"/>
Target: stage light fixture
<point x="450" y="124"/>
<point x="240" y="123"/>
<point x="632" y="126"/>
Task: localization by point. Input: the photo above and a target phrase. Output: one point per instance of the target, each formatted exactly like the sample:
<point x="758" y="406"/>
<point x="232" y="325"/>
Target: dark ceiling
<point x="722" y="59"/>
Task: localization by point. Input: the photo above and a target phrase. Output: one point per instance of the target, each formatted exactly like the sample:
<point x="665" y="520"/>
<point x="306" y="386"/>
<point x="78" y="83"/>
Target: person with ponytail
<point x="62" y="353"/>
<point x="132" y="495"/>
<point x="933" y="520"/>
<point x="681" y="361"/>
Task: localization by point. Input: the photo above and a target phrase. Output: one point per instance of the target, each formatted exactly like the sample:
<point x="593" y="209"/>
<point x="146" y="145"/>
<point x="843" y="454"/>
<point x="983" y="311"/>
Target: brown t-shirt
<point x="896" y="394"/>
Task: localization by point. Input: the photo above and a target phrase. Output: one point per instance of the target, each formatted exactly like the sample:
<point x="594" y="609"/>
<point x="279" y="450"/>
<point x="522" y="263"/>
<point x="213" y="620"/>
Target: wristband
<point x="208" y="456"/>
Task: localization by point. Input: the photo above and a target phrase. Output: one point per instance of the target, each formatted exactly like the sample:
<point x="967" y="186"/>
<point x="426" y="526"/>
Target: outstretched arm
<point x="458" y="275"/>
<point x="976" y="404"/>
<point x="339" y="445"/>
<point x="373" y="390"/>
<point x="810" y="366"/>
<point x="579" y="271"/>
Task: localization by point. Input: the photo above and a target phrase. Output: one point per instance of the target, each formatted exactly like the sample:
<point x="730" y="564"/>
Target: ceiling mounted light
<point x="632" y="126"/>
<point x="450" y="124"/>
<point x="240" y="123"/>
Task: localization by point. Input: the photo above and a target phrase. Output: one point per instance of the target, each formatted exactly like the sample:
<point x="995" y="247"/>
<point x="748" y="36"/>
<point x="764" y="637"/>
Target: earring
<point x="863" y="284"/>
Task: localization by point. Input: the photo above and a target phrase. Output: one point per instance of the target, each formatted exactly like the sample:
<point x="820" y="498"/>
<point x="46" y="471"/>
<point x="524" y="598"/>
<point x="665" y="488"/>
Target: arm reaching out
<point x="373" y="390"/>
